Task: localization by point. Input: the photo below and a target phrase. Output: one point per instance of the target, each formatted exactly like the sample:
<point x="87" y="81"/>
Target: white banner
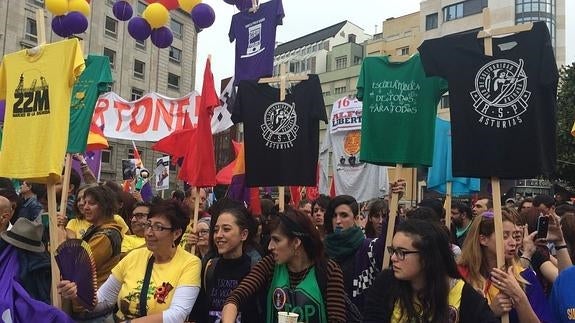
<point x="150" y="118"/>
<point x="162" y="173"/>
<point x="222" y="118"/>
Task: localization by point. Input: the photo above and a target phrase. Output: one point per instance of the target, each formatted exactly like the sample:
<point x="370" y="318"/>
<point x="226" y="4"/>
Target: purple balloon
<point x="232" y="2"/>
<point x="162" y="37"/>
<point x="59" y="27"/>
<point x="76" y="22"/>
<point x="122" y="10"/>
<point x="243" y="4"/>
<point x="203" y="15"/>
<point x="139" y="28"/>
<point x="2" y="110"/>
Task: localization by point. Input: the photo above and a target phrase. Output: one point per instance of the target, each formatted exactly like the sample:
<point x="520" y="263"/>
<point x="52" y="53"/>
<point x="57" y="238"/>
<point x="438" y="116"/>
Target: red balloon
<point x="169" y="4"/>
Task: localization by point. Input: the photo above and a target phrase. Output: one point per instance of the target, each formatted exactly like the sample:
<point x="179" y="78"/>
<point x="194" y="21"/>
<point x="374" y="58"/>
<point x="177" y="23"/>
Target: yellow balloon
<point x="156" y="15"/>
<point x="57" y="7"/>
<point x="188" y="5"/>
<point x="80" y="6"/>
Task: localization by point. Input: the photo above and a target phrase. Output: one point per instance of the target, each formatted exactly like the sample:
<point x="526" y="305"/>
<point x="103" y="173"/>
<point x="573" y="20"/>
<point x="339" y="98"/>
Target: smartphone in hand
<point x="542" y="226"/>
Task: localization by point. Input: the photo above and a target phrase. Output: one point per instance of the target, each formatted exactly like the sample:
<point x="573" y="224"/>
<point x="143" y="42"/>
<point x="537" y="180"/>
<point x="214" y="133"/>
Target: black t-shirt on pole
<point x="281" y="137"/>
<point x="502" y="107"/>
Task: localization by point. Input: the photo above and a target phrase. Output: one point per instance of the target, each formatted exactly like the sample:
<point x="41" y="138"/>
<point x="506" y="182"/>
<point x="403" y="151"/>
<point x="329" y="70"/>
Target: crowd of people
<point x="321" y="259"/>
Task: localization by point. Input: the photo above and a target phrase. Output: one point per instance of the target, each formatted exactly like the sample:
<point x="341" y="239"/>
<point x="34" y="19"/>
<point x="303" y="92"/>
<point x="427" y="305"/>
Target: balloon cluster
<point x="156" y="16"/>
<point x="70" y="16"/>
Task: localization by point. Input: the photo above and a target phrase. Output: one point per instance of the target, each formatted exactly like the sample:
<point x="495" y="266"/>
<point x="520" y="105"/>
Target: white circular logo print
<point x="279" y="129"/>
<point x="501" y="95"/>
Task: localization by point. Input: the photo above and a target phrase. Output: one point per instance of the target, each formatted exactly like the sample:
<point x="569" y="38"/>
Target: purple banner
<point x="93" y="159"/>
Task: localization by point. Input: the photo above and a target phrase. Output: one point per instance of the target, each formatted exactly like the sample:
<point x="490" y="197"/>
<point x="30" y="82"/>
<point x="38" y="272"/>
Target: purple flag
<point x="93" y="159"/>
<point x="16" y="305"/>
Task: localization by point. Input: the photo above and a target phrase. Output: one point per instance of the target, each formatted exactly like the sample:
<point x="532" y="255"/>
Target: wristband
<point x="561" y="247"/>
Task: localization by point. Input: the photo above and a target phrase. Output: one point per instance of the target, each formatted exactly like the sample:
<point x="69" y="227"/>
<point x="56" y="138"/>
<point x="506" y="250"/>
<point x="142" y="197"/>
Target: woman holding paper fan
<point x="160" y="282"/>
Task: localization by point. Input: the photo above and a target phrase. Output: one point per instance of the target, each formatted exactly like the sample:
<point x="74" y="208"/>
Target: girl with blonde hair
<point x="513" y="289"/>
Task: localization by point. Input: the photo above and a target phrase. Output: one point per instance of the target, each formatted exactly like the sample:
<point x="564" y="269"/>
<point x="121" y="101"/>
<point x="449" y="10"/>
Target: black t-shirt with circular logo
<point x="281" y="137"/>
<point x="502" y="106"/>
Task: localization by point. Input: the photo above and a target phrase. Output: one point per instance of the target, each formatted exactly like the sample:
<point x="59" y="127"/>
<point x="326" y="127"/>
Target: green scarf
<point x="341" y="244"/>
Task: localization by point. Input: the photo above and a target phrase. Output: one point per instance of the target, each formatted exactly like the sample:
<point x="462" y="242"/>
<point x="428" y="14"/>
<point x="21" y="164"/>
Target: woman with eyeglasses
<point x="423" y="284"/>
<point x="512" y="290"/>
<point x="159" y="283"/>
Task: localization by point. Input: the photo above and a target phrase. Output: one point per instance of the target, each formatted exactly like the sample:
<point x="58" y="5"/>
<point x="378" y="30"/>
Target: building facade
<point x="137" y="67"/>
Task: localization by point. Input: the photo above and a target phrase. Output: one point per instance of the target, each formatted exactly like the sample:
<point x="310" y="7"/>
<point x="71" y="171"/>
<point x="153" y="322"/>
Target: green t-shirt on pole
<point x="399" y="109"/>
<point x="92" y="82"/>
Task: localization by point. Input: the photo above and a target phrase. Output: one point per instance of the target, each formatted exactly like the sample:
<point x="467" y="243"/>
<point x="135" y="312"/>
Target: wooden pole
<point x="393" y="206"/>
<point x="495" y="188"/>
<point x="196" y="213"/>
<point x="283" y="78"/>
<point x="51" y="192"/>
<point x="447" y="204"/>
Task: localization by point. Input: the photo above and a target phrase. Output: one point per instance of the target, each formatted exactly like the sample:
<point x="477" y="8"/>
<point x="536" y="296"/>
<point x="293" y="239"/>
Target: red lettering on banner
<point x="120" y="106"/>
<point x="161" y="110"/>
<point x="101" y="106"/>
<point x="147" y="104"/>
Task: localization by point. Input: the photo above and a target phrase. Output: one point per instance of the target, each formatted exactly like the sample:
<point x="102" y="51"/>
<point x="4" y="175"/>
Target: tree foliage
<point x="565" y="120"/>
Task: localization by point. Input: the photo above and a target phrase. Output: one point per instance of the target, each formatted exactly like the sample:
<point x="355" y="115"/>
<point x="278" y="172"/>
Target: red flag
<point x="199" y="166"/>
<point x="295" y="195"/>
<point x="175" y="144"/>
<point x="225" y="174"/>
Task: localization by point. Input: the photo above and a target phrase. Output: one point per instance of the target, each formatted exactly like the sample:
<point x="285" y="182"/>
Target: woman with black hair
<point x="296" y="276"/>
<point x="424" y="284"/>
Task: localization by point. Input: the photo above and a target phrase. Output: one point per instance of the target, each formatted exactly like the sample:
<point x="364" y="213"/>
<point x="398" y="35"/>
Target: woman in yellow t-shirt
<point x="160" y="282"/>
<point x="76" y="227"/>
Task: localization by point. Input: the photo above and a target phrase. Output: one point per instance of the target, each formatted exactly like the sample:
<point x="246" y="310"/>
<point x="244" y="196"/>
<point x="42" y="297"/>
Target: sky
<point x="306" y="16"/>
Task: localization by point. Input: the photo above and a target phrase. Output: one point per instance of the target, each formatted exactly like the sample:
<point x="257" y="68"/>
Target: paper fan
<point x="76" y="262"/>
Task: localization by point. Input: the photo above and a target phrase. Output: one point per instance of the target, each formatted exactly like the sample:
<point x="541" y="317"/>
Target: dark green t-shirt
<point x="399" y="109"/>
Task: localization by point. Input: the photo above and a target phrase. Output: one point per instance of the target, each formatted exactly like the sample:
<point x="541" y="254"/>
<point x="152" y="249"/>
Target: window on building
<point x="111" y="27"/>
<point x="294" y="67"/>
<point x="141" y="44"/>
<point x="463" y="9"/>
<point x="136" y="94"/>
<point x="453" y="12"/>
<point x="431" y="21"/>
<point x="36" y="2"/>
<point x="326" y="44"/>
<point x="340" y="62"/>
<point x="356" y="60"/>
<point x="311" y="64"/>
<point x="106" y="157"/>
<point x="110" y="2"/>
<point x="351" y="38"/>
<point x="326" y="93"/>
<point x="111" y="56"/>
<point x="177" y="28"/>
<point x="141" y="7"/>
<point x="173" y="81"/>
<point x="131" y="154"/>
<point x="403" y="51"/>
<point x="139" y="69"/>
<point x="444" y="103"/>
<point x="31" y="30"/>
<point x="175" y="54"/>
<point x="340" y="90"/>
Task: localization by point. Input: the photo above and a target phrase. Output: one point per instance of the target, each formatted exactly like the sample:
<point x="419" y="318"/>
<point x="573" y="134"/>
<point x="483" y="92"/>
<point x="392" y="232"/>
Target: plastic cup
<point x="287" y="317"/>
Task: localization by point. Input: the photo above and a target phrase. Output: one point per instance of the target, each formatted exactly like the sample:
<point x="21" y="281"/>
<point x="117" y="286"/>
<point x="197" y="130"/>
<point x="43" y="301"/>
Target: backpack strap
<point x="209" y="274"/>
<point x="143" y="310"/>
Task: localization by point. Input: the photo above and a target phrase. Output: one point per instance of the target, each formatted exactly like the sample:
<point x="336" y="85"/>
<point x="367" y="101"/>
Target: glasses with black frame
<point x="400" y="253"/>
<point x="156" y="227"/>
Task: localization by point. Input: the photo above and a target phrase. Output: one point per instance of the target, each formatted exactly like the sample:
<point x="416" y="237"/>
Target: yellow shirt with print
<point x="454" y="301"/>
<point x="37" y="88"/>
<point x="183" y="270"/>
<point x="79" y="226"/>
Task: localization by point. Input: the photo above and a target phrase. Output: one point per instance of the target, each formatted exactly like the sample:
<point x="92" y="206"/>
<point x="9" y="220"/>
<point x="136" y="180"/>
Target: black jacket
<point x="379" y="303"/>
